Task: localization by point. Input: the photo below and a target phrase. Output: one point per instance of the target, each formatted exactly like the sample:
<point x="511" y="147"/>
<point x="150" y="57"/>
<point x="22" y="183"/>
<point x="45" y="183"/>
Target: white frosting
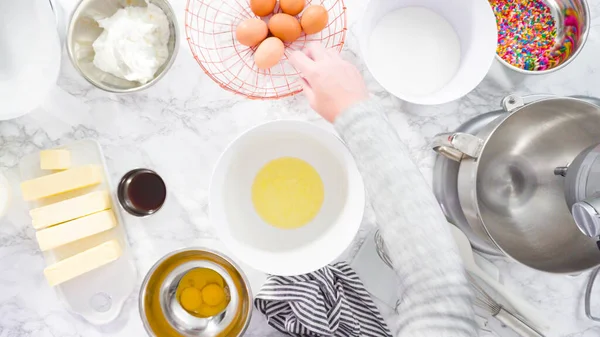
<point x="134" y="43"/>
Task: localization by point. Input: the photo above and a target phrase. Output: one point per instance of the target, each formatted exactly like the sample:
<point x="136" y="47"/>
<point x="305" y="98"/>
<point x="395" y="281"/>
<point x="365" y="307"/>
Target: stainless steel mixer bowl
<point x="521" y="201"/>
<point x="558" y="8"/>
<point x="509" y="192"/>
<point x="83" y="30"/>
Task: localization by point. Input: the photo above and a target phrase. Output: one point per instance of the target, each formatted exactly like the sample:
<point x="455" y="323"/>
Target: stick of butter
<point x="65" y="181"/>
<point x="83" y="262"/>
<point x="70" y="209"/>
<point x="55" y="159"/>
<point x="77" y="229"/>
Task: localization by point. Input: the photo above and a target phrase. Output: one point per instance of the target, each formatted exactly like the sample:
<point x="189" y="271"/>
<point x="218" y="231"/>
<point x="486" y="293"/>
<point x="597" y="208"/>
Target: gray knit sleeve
<point x="435" y="297"/>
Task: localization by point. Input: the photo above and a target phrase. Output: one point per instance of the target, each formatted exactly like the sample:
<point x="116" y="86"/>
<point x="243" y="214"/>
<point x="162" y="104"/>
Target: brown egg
<point x="314" y="19"/>
<point x="269" y="53"/>
<point x="251" y="32"/>
<point x="262" y="7"/>
<point x="285" y="27"/>
<point x="291" y="7"/>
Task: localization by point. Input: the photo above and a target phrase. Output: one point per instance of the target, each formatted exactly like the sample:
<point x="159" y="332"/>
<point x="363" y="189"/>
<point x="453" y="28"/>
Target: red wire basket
<point x="210" y="29"/>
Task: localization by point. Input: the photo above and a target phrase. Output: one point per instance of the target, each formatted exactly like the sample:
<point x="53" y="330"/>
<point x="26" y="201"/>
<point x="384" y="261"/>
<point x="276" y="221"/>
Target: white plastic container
<point x="97" y="296"/>
<point x="474" y="23"/>
<point x="286" y="251"/>
<point x="30" y="59"/>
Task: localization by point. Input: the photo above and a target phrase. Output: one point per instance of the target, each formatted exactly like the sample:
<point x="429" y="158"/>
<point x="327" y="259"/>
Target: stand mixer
<point x="582" y="190"/>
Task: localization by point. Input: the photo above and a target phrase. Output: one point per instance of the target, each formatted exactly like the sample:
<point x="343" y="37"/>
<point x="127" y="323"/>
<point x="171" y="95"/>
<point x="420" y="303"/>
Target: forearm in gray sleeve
<point x="436" y="299"/>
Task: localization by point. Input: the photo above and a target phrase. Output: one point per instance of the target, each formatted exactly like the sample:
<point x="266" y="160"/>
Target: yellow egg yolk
<point x="213" y="295"/>
<point x="190" y="299"/>
<point x="203" y="292"/>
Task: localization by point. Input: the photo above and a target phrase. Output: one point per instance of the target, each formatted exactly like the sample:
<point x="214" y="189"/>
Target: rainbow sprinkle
<point x="527" y="34"/>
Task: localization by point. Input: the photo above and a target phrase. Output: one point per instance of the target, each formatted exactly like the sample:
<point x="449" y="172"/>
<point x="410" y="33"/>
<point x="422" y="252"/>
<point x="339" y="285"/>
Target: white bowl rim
<point x="302" y="264"/>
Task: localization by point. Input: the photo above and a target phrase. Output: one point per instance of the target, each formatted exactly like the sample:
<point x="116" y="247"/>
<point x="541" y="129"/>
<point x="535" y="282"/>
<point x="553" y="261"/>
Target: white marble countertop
<point x="180" y="126"/>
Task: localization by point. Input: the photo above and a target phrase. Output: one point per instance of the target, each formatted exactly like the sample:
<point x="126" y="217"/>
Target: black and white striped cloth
<point x="331" y="301"/>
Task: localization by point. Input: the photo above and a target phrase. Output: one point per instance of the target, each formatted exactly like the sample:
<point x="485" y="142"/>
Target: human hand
<point x="330" y="83"/>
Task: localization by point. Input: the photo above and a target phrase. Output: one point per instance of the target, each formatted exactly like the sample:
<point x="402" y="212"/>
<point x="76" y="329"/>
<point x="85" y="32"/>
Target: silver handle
<point x="457" y="145"/>
<point x="513" y="101"/>
<point x="588" y="296"/>
<point x="523" y="307"/>
<point x="516" y="324"/>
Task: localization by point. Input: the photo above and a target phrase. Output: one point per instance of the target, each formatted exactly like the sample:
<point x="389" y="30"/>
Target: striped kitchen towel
<point x="331" y="301"/>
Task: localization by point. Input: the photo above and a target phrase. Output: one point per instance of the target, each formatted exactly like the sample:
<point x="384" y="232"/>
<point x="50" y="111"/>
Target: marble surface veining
<point x="181" y="125"/>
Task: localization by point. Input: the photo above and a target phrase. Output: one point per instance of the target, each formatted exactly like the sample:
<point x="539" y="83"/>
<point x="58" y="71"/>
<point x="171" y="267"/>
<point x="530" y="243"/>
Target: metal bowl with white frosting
<point x="84" y="29"/>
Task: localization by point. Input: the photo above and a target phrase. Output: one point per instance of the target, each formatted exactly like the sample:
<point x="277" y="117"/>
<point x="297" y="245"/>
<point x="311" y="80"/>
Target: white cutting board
<point x="98" y="296"/>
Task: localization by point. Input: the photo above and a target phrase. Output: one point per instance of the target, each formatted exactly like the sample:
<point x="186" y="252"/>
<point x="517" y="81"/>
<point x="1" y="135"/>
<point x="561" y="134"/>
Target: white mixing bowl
<point x="474" y="23"/>
<point x="286" y="251"/>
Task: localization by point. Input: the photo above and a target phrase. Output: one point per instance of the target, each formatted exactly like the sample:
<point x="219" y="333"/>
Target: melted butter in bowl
<point x="286" y="197"/>
<point x="287" y="193"/>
